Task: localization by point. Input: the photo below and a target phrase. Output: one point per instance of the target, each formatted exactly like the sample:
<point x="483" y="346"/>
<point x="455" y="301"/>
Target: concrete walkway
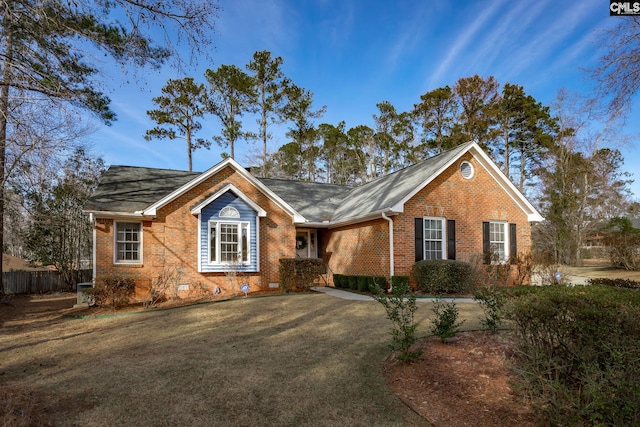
<point x="341" y="293"/>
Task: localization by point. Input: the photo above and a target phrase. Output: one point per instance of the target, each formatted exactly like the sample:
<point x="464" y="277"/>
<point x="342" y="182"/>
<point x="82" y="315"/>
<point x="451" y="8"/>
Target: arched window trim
<point x="229" y="212"/>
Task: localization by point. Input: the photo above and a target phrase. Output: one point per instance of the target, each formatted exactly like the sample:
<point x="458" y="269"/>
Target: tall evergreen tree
<point x="476" y="97"/>
<point x="269" y="82"/>
<point x="394" y="137"/>
<point x="436" y="115"/>
<point x="182" y="103"/>
<point x="232" y="93"/>
<point x="299" y="111"/>
<point x="524" y="130"/>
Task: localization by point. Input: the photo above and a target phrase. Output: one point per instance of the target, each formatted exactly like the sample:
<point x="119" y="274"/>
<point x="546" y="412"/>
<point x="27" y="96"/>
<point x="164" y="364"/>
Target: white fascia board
<point x="532" y="214"/>
<point x="229" y="187"/>
<point x="152" y="210"/>
<point x="503" y="181"/>
<point x="118" y="215"/>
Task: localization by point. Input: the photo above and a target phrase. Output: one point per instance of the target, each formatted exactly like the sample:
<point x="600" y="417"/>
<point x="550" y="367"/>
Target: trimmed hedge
<point x="578" y="352"/>
<point x="358" y="282"/>
<point x="401" y="281"/>
<point x="437" y="276"/>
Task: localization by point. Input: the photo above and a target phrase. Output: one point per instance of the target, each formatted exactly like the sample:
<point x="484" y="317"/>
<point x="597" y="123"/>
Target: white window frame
<point x="216" y="224"/>
<point x="443" y="239"/>
<point x="117" y="242"/>
<point x="492" y="242"/>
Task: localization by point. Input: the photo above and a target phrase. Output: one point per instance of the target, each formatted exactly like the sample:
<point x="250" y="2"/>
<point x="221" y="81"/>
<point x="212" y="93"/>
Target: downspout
<point x="92" y="220"/>
<point x="391" y="266"/>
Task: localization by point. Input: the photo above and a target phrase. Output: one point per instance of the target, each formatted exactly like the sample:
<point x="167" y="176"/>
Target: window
<point x="433" y="238"/>
<point x="466" y="169"/>
<point x="128" y="242"/>
<point x="228" y="242"/>
<point x="498" y="241"/>
<point x="229" y="212"/>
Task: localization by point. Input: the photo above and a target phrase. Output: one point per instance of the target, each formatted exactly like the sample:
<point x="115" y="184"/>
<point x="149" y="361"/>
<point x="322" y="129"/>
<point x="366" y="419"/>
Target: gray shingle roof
<point x="132" y="189"/>
<point x="387" y="191"/>
<point x="316" y="202"/>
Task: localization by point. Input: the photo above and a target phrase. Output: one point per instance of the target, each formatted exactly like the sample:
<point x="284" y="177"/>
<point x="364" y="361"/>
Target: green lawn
<point x="305" y="359"/>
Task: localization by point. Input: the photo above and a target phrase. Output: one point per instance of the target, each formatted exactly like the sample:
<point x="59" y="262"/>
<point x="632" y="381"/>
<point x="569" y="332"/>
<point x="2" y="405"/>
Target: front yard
<point x="304" y="359"/>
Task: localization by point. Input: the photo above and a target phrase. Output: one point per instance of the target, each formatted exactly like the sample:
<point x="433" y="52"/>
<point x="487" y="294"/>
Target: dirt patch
<point x="462" y="383"/>
<point x="24" y="309"/>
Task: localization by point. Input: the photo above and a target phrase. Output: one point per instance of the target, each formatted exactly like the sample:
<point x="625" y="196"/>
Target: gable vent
<point x="466" y="169"/>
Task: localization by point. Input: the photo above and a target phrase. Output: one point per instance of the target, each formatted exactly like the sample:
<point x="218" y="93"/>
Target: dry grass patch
<point x="287" y="360"/>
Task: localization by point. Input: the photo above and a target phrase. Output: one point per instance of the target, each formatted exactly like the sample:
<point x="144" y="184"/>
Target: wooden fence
<point x="34" y="282"/>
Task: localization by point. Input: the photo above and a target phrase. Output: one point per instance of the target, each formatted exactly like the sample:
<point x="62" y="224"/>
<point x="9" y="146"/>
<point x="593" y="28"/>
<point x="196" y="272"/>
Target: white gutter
<point x="118" y="215"/>
<point x="391" y="265"/>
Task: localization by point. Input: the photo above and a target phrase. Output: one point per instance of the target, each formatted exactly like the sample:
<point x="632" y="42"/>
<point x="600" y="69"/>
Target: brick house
<point x="456" y="205"/>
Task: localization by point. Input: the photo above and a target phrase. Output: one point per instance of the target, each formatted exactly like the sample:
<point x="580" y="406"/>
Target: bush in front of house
<point x="340" y="281"/>
<point x="437" y="276"/>
<point x="492" y="299"/>
<point x="112" y="291"/>
<point x="445" y="320"/>
<point x="578" y="352"/>
<point x="299" y="274"/>
<point x="359" y="282"/>
<point x="401" y="307"/>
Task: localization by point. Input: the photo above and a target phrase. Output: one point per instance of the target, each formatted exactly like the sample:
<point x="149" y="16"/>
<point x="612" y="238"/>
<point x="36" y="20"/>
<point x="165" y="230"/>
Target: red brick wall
<point x="171" y="240"/>
<point x="363" y="248"/>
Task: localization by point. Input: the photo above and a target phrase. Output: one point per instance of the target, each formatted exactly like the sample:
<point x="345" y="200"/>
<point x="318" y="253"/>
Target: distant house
<point x="456" y="205"/>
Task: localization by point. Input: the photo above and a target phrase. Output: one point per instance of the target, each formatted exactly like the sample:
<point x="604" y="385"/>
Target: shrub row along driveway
<point x="304" y="359"/>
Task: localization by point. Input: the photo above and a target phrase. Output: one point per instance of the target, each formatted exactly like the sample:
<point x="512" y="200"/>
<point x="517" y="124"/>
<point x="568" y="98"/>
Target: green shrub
<point x="363" y="283"/>
<point x="112" y="291"/>
<point x="579" y="349"/>
<point x="401" y="307"/>
<point x="492" y="299"/>
<point x="359" y="283"/>
<point x="442" y="276"/>
<point x="445" y="322"/>
<point x="340" y="281"/>
<point x="399" y="281"/>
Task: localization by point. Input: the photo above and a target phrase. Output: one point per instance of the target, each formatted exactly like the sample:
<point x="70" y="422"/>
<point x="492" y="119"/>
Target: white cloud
<point x="461" y="43"/>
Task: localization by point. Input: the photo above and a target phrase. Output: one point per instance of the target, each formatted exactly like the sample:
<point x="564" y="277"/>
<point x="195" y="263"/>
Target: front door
<point x="306" y="243"/>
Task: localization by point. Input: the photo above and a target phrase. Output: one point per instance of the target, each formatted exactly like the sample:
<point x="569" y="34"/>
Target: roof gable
<point x="389" y="193"/>
<point x="152" y="209"/>
<point x="229" y="187"/>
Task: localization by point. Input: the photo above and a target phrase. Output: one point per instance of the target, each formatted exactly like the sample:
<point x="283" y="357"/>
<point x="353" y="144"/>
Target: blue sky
<point x="355" y="54"/>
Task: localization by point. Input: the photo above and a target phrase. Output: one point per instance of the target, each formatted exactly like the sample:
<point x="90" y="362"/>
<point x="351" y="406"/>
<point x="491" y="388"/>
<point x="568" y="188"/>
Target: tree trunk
<point x="4" y="113"/>
<point x="189" y="149"/>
